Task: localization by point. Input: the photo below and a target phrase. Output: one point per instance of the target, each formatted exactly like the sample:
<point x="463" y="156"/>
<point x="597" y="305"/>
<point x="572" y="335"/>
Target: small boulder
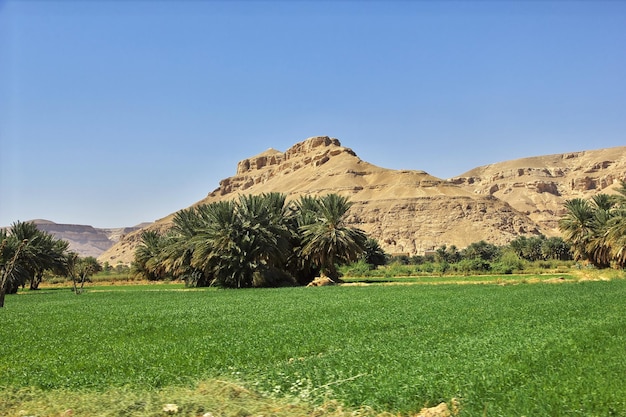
<point x="170" y="408"/>
<point x="321" y="282"/>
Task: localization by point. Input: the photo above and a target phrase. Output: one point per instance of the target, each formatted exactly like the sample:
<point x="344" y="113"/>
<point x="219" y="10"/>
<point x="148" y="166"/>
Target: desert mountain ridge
<point x="86" y="240"/>
<point x="410" y="211"/>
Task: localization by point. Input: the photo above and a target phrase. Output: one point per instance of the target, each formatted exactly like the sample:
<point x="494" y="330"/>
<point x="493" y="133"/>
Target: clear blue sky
<point x="115" y="112"/>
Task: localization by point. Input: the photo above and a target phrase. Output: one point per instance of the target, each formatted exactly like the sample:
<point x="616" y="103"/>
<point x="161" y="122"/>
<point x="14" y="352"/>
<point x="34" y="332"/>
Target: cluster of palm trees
<point x="540" y="247"/>
<point x="596" y="228"/>
<point x="26" y="253"/>
<point x="255" y="240"/>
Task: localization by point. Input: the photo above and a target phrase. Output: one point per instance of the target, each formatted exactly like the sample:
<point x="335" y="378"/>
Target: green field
<point x="500" y="350"/>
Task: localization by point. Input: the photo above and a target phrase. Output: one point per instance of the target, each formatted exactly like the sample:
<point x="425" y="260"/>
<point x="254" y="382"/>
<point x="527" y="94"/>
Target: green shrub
<point x="397" y="269"/>
<point x="508" y="263"/>
<point x="466" y="266"/>
<point x="357" y="269"/>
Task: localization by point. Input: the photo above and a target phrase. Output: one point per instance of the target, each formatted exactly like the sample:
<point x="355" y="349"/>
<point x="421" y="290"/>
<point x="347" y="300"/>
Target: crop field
<point x="542" y="349"/>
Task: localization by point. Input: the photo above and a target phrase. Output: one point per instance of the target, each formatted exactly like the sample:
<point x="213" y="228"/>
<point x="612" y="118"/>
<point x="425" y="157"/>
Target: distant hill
<point x="86" y="240"/>
<point x="410" y="211"/>
<point x="407" y="211"/>
<point x="538" y="186"/>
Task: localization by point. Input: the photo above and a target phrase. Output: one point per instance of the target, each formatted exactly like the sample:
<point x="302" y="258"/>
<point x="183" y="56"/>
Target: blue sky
<point x="117" y="112"/>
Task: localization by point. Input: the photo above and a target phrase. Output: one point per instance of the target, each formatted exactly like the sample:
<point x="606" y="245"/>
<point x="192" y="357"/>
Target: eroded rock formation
<point x="406" y="211"/>
<point x="539" y="186"/>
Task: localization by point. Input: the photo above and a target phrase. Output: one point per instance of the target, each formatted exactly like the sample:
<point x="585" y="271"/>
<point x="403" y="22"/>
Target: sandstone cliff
<point x="85" y="240"/>
<point x="407" y="211"/>
<point x="539" y="186"/>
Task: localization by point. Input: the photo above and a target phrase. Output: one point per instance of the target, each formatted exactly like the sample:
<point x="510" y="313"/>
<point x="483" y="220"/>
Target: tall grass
<point x="500" y="350"/>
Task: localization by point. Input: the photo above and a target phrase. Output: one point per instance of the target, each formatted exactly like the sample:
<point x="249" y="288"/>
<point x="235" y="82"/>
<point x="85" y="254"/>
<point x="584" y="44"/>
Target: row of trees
<point x="260" y="240"/>
<point x="596" y="228"/>
<point x="26" y="253"/>
<point x="534" y="248"/>
<point x="256" y="240"/>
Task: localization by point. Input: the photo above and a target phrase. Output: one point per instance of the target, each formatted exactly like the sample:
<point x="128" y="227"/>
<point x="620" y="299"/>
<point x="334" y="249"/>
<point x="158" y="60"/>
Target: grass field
<point x="500" y="350"/>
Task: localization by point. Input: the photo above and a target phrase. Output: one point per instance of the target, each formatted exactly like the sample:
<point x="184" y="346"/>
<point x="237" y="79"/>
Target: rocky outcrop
<point x="86" y="240"/>
<point x="261" y="168"/>
<point x="539" y="186"/>
<point x="407" y="211"/>
<point x="410" y="212"/>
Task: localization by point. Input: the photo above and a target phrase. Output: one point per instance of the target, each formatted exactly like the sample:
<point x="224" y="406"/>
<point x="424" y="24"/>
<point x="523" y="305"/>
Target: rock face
<point x="539" y="186"/>
<point x="85" y="240"/>
<point x="408" y="212"/>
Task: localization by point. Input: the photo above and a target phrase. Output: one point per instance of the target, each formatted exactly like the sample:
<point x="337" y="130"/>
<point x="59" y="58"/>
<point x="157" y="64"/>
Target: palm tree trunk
<point x="8" y="270"/>
<point x="2" y="294"/>
<point x="34" y="283"/>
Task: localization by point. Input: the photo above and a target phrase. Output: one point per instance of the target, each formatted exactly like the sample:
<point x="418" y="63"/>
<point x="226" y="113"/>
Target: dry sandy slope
<point x="539" y="186"/>
<point x="411" y="211"/>
<point x="407" y="211"/>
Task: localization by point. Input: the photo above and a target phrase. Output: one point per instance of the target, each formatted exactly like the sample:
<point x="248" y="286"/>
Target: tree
<point x="256" y="240"/>
<point x="148" y="262"/>
<point x="81" y="270"/>
<point x="595" y="229"/>
<point x="576" y="226"/>
<point x="616" y="237"/>
<point x="556" y="248"/>
<point x="41" y="252"/>
<point x="303" y="213"/>
<point x="9" y="262"/>
<point x="374" y="255"/>
<point x="238" y="244"/>
<point x="444" y="254"/>
<point x="328" y="240"/>
<point x="481" y="250"/>
<point x="32" y="258"/>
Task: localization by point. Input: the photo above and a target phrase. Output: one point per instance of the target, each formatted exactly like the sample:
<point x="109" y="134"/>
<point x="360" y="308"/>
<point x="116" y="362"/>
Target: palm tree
<point x="577" y="226"/>
<point x="303" y="212"/>
<point x="596" y="229"/>
<point x="50" y="255"/>
<point x="148" y="262"/>
<point x="241" y="243"/>
<point x="257" y="240"/>
<point x="616" y="236"/>
<point x="10" y="268"/>
<point x="597" y="246"/>
<point x="42" y="252"/>
<point x="81" y="269"/>
<point x="328" y="240"/>
<point x="375" y="255"/>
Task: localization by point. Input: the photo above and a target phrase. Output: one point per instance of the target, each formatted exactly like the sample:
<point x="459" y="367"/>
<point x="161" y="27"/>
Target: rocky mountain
<point x="411" y="212"/>
<point x="86" y="240"/>
<point x="539" y="186"/>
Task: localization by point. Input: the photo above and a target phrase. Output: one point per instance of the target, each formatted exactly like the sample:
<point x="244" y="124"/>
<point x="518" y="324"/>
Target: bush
<point x="400" y="259"/>
<point x="508" y="263"/>
<point x="427" y="267"/>
<point x="466" y="266"/>
<point x="397" y="269"/>
<point x="442" y="267"/>
<point x="357" y="269"/>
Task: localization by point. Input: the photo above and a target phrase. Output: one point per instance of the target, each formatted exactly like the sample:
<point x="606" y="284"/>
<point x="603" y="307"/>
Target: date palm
<point x="616" y="236"/>
<point x="148" y="262"/>
<point x="81" y="270"/>
<point x="11" y="269"/>
<point x="616" y="227"/>
<point x="243" y="243"/>
<point x="577" y="226"/>
<point x="328" y="240"/>
<point x="42" y="252"/>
